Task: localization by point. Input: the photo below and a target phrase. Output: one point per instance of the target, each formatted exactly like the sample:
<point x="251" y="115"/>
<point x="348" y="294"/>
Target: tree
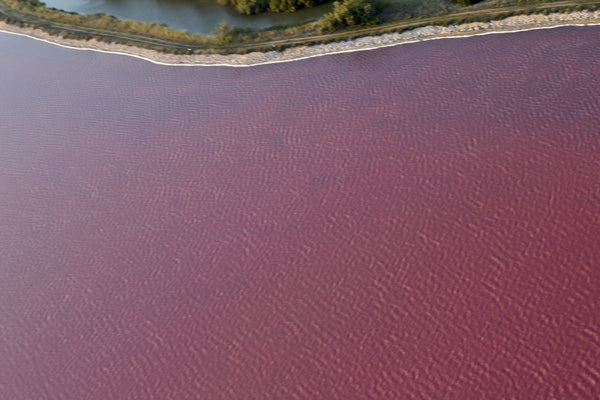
<point x="348" y="13"/>
<point x="223" y="33"/>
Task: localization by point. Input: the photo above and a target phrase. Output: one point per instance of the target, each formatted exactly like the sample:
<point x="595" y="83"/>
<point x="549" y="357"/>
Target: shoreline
<point x="517" y="23"/>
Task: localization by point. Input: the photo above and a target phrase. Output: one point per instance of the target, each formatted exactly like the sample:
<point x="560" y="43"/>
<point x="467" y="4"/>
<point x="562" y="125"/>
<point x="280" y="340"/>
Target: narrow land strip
<point x="429" y="32"/>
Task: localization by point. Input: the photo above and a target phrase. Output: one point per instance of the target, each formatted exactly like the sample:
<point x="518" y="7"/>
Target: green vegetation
<point x="468" y="2"/>
<point x="258" y="6"/>
<point x="226" y="34"/>
<point x="36" y="12"/>
<point x="349" y="19"/>
<point x="348" y="13"/>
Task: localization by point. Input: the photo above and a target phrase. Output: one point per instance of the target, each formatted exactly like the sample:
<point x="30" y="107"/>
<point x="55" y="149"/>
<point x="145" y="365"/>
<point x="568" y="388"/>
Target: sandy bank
<point x="511" y="24"/>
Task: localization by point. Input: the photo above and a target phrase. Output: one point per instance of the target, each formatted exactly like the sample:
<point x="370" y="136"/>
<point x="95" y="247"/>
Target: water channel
<point x="195" y="16"/>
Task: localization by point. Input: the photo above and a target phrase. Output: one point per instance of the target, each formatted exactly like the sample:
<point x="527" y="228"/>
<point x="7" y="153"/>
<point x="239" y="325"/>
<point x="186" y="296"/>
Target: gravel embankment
<point x="511" y="24"/>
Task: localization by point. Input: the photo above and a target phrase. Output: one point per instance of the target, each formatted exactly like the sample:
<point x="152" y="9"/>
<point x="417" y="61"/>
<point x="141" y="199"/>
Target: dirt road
<point x="159" y="43"/>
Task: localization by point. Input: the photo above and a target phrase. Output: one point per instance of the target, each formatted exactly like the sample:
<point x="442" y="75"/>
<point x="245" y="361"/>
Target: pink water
<point x="418" y="222"/>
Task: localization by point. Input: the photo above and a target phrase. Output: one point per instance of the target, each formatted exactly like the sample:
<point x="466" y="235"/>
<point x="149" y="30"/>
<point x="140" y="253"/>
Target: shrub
<point x="258" y="6"/>
<point x="348" y="13"/>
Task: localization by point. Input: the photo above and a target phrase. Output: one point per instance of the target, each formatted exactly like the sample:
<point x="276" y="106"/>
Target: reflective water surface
<point x="418" y="222"/>
<point x="195" y="16"/>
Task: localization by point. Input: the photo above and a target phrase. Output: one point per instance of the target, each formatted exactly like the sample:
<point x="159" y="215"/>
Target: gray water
<point x="195" y="16"/>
